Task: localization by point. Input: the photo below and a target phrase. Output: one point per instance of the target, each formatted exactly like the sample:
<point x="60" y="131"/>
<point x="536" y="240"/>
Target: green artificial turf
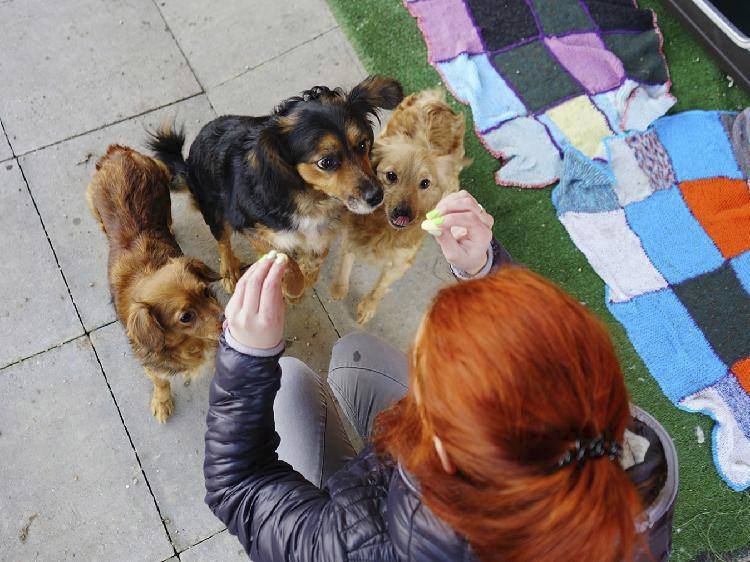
<point x="711" y="520"/>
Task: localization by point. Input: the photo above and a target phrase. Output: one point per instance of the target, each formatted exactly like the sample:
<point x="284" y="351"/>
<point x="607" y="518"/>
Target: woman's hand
<point x="255" y="313"/>
<point x="463" y="231"/>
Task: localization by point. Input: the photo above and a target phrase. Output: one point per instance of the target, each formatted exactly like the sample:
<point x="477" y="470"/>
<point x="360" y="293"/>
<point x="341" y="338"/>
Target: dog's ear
<point x="143" y="329"/>
<point x="270" y="159"/>
<point x="202" y="271"/>
<point x="376" y="91"/>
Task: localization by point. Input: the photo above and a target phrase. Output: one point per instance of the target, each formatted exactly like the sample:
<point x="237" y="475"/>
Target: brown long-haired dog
<point x="418" y="158"/>
<point x="162" y="297"/>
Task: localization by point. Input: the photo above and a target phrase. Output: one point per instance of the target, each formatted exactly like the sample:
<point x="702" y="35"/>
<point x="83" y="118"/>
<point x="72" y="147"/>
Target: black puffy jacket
<point x="369" y="510"/>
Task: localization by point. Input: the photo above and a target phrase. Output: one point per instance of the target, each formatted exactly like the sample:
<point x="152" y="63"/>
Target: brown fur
<point x="152" y="283"/>
<point x="422" y="141"/>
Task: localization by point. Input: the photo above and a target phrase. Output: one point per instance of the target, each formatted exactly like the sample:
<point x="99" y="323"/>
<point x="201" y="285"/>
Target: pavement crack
<point x="277" y="56"/>
<point x="133" y="447"/>
<point x="109" y="124"/>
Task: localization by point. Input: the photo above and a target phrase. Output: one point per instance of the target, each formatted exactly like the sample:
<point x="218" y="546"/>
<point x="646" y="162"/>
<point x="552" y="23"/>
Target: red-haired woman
<point x="501" y="438"/>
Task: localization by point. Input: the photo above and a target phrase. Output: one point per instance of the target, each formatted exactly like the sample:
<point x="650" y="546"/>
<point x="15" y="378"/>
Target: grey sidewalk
<point x="85" y="471"/>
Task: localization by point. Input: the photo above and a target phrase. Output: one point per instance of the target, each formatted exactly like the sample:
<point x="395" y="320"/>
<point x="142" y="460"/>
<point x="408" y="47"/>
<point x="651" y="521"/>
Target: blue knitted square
<point x="673" y="239"/>
<point x="477" y="83"/>
<point x="673" y="347"/>
<point x="699" y="147"/>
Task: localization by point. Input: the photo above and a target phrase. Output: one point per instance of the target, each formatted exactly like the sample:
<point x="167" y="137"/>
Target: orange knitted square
<point x="741" y="370"/>
<point x="722" y="206"/>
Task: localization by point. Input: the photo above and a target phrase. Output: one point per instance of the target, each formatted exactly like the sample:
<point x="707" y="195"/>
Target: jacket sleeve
<point x="274" y="511"/>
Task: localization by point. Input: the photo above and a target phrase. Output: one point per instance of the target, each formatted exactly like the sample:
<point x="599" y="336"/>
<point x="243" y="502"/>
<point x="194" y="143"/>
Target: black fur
<point x="242" y="170"/>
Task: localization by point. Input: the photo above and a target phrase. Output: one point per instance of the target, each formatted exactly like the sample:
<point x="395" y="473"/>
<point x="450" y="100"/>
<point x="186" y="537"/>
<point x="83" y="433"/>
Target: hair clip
<point x="595" y="448"/>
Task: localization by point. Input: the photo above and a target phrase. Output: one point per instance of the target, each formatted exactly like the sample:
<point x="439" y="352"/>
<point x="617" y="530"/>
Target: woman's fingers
<point x="272" y="298"/>
<point x="460" y="202"/>
<point x="467" y="220"/>
<point x="450" y="247"/>
<point x="235" y="301"/>
<point x="254" y="284"/>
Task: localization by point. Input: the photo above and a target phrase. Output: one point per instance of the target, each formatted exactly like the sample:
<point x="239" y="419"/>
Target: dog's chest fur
<point x="373" y="239"/>
<point x="315" y="220"/>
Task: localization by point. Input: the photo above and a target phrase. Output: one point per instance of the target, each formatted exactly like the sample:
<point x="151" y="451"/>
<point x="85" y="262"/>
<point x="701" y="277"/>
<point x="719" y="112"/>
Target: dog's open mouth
<point x="400" y="218"/>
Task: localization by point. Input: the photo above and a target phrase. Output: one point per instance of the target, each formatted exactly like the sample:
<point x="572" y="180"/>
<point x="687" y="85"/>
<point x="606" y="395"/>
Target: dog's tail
<point x="166" y="143"/>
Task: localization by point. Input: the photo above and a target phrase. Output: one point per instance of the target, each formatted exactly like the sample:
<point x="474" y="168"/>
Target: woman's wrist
<point x="250" y="350"/>
<point x="476" y="273"/>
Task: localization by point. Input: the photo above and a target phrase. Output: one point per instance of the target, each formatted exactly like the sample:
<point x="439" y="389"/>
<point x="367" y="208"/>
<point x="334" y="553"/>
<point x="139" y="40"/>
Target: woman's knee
<point x="359" y="350"/>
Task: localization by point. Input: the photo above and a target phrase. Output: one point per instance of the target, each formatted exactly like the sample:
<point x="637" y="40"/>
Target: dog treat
<point x="431" y="228"/>
<point x="433" y="214"/>
<point x="270" y="255"/>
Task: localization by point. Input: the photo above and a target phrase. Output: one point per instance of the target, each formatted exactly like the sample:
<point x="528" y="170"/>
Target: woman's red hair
<point x="510" y="371"/>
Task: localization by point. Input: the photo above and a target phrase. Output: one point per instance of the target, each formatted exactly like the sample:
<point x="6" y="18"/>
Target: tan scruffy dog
<point x="162" y="297"/>
<point x="418" y="158"/>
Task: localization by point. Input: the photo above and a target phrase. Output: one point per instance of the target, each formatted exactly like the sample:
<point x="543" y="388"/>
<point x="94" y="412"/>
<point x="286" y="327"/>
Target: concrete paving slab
<point x="225" y="39"/>
<point x="70" y="67"/>
<point x="5" y="151"/>
<point x="72" y="489"/>
<point x="172" y="453"/>
<point x="223" y="546"/>
<point x="401" y="310"/>
<point x="36" y="312"/>
<point x="328" y="61"/>
<point x="58" y="176"/>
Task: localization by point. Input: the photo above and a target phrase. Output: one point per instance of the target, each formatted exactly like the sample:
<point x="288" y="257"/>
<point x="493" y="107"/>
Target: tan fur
<point x="422" y="140"/>
<point x="152" y="283"/>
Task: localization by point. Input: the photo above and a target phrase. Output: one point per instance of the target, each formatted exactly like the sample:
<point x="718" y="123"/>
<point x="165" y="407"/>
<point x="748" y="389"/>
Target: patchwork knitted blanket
<point x="666" y="224"/>
<point x="542" y="75"/>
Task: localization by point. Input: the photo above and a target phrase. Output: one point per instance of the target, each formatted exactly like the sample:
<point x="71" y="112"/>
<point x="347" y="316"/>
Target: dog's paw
<point x="338" y="291"/>
<point x="366" y="310"/>
<point x="162" y="409"/>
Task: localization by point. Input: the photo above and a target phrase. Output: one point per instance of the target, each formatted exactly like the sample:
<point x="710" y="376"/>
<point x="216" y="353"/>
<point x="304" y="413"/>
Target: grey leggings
<point x="366" y="376"/>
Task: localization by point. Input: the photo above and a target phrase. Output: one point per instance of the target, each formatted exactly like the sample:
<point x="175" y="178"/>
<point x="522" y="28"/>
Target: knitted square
<point x="587" y="59"/>
<point x="652" y="159"/>
<point x="582" y="123"/>
<point x="721" y="308"/>
<point x="722" y="206"/>
<point x="698" y="146"/>
<point x="619" y="14"/>
<point x="562" y="17"/>
<point x="640" y="54"/>
<point x="673" y="239"/>
<point x="452" y="26"/>
<point x="503" y="23"/>
<point x="539" y="80"/>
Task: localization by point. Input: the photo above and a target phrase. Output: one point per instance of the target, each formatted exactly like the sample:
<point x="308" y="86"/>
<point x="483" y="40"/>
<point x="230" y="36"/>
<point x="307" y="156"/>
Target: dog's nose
<point x="374" y="196"/>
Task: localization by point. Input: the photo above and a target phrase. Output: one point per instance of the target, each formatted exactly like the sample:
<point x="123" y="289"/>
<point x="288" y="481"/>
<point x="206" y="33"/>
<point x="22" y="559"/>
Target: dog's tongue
<point x="402" y="220"/>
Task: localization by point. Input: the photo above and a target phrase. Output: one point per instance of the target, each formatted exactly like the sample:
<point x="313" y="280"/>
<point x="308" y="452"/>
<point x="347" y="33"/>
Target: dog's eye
<point x="424" y="184"/>
<point x="391" y="176"/>
<point x="327" y="163"/>
<point x="187" y="317"/>
<point x="362" y="147"/>
<point x="207" y="293"/>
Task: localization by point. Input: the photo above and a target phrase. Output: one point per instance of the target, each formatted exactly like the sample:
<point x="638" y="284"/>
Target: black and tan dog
<point x="284" y="178"/>
<point x="162" y="297"/>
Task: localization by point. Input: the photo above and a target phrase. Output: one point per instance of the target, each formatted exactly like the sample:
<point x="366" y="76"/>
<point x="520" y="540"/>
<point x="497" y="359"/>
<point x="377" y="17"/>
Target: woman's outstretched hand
<point x="255" y="313"/>
<point x="463" y="230"/>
